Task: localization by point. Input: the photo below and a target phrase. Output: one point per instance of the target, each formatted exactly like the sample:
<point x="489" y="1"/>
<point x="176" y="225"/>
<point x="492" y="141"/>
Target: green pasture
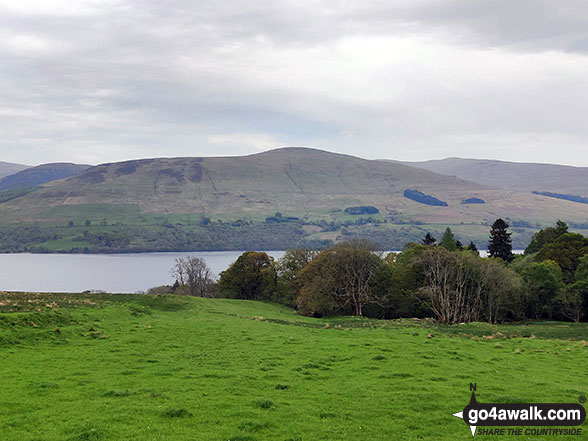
<point x="129" y="367"/>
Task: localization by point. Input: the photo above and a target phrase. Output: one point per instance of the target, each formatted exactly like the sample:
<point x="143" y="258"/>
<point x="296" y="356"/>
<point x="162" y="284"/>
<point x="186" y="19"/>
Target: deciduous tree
<point x="544" y="282"/>
<point x="194" y="274"/>
<point x="566" y="251"/>
<point x="340" y="277"/>
<point x="251" y="277"/>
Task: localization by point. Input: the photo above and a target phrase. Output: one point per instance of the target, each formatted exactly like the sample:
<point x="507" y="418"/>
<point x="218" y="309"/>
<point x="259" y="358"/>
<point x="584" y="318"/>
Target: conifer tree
<point x="429" y="240"/>
<point x="472" y="247"/>
<point x="561" y="228"/>
<point x="448" y="240"/>
<point x="500" y="244"/>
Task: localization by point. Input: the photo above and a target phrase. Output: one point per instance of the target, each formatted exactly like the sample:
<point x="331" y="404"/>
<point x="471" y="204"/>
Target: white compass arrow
<point x="460" y="414"/>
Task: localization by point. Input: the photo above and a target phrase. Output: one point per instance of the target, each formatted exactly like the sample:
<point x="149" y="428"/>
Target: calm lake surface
<point x="116" y="273"/>
<point x="107" y="272"/>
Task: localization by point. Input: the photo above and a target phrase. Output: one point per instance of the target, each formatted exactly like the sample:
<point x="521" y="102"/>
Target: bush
<point x="163" y="289"/>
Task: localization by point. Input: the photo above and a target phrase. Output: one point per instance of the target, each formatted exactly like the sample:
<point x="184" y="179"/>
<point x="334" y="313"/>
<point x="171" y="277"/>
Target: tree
<point x="429" y="240"/>
<point x="461" y="287"/>
<point x="546" y="236"/>
<point x="500" y="290"/>
<point x="570" y="302"/>
<point x="316" y="295"/>
<point x="448" y="240"/>
<point x="582" y="269"/>
<point x="194" y="274"/>
<point x="440" y="291"/>
<point x="472" y="247"/>
<point x="394" y="285"/>
<point x="544" y="282"/>
<point x="500" y="244"/>
<point x="338" y="278"/>
<point x="561" y="228"/>
<point x="292" y="262"/>
<point x="288" y="267"/>
<point x="567" y="251"/>
<point x="251" y="277"/>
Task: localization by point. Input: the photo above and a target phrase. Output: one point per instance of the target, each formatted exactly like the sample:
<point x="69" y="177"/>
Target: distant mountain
<point x="8" y="168"/>
<point x="516" y="176"/>
<point x="273" y="200"/>
<point x="296" y="179"/>
<point x="40" y="174"/>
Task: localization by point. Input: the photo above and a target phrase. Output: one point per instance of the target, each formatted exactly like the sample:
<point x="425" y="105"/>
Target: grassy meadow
<point x="129" y="367"/>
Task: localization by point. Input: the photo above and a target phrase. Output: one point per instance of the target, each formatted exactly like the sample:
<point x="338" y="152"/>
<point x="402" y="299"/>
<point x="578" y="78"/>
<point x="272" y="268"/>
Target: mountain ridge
<point x="526" y="176"/>
<point x="203" y="183"/>
<point x="274" y="200"/>
<point x="9" y="168"/>
<point x="41" y="174"/>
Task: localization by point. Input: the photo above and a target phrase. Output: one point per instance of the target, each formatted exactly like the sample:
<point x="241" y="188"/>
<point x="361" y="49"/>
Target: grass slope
<point x="292" y="179"/>
<point x="114" y="367"/>
<point x="146" y="200"/>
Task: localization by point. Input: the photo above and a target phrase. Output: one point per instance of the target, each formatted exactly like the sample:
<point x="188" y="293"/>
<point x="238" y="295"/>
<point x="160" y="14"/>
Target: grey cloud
<point x="409" y="79"/>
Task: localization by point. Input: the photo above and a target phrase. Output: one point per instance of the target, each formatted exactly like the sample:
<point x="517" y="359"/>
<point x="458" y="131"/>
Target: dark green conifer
<point x="448" y="240"/>
<point x="429" y="240"/>
<point x="500" y="244"/>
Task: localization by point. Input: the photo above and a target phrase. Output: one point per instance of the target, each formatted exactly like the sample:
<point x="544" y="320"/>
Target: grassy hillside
<point x="224" y="203"/>
<point x="114" y="367"/>
<point x="40" y="174"/>
<point x="516" y="176"/>
<point x="292" y="179"/>
<point x="9" y="168"/>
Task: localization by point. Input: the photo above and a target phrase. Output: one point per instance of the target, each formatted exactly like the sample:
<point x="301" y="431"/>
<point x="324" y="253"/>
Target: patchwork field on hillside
<point x="234" y="203"/>
<point x="128" y="367"/>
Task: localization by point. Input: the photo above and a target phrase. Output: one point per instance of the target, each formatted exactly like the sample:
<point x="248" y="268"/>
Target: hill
<point x="272" y="200"/>
<point x="517" y="176"/>
<point x="137" y="367"/>
<point x="40" y="174"/>
<point x="8" y="168"/>
<point x="283" y="179"/>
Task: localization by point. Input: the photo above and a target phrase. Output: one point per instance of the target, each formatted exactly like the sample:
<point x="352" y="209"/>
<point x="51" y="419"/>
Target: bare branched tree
<point x="194" y="274"/>
<point x="356" y="265"/>
<point x="339" y="278"/>
<point x="462" y="287"/>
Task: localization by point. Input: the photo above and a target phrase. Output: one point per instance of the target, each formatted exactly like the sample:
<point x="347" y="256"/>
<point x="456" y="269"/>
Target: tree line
<point x="449" y="282"/>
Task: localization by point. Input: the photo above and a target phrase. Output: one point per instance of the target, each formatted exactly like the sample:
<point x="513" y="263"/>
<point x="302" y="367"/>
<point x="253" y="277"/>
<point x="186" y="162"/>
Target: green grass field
<point x="123" y="367"/>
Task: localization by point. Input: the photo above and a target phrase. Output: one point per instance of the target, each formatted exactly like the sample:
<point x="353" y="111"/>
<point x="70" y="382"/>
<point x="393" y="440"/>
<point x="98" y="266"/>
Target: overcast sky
<point x="105" y="80"/>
